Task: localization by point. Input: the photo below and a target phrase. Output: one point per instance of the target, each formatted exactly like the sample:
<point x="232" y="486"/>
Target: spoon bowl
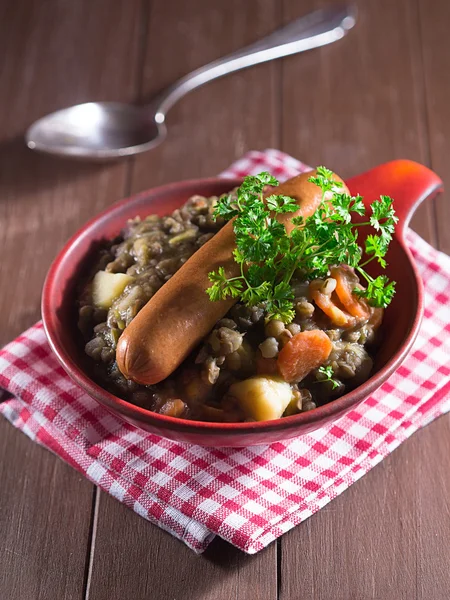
<point x="100" y="130"/>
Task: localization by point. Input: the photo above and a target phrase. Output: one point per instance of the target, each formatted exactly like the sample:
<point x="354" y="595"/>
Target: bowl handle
<point x="407" y="182"/>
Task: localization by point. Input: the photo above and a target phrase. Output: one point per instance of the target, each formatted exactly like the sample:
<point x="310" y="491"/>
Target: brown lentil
<point x="273" y="328"/>
<point x="269" y="347"/>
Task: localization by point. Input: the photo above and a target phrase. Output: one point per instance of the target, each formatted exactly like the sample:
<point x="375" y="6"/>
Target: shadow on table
<point x="225" y="556"/>
<point x="222" y="567"/>
<point x="26" y="171"/>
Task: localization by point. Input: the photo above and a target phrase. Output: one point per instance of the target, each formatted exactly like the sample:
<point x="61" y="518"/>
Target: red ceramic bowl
<point x="407" y="182"/>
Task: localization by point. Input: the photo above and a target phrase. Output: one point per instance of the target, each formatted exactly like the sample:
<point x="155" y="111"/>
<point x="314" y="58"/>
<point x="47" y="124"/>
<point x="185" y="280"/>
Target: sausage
<point x="180" y="314"/>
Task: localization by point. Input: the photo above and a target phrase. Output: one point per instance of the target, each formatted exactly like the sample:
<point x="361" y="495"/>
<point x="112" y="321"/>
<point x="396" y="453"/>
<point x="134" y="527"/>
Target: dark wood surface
<point x="382" y="93"/>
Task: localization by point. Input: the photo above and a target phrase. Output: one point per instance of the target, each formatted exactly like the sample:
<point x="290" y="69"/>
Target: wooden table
<point x="382" y="93"/>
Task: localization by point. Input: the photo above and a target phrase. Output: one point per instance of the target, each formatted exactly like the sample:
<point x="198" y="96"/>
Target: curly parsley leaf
<point x="325" y="179"/>
<point x="223" y="287"/>
<point x="383" y="218"/>
<point x="238" y="256"/>
<point x="226" y="208"/>
<point x="344" y="205"/>
<point x="281" y="204"/>
<point x="266" y="178"/>
<point x="379" y="292"/>
<point x="377" y="247"/>
<point x="280" y="303"/>
<point x="253" y="295"/>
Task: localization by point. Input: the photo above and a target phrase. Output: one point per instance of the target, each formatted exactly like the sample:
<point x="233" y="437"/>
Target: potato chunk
<point x="262" y="398"/>
<point x="106" y="287"/>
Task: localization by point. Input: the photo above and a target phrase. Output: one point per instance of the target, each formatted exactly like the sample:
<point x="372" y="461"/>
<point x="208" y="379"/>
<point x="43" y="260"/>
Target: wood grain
<point x="149" y="563"/>
<point x="215" y="124"/>
<point x="434" y="20"/>
<point x="433" y="493"/>
<point x="44" y="200"/>
<point x="54" y="54"/>
<point x="45" y="509"/>
<point x="429" y="460"/>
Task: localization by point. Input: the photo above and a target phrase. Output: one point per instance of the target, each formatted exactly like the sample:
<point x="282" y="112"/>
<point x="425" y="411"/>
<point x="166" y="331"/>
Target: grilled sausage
<point x="180" y="314"/>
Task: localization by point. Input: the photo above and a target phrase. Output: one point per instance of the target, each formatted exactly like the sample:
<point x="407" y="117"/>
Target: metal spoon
<point x="103" y="130"/>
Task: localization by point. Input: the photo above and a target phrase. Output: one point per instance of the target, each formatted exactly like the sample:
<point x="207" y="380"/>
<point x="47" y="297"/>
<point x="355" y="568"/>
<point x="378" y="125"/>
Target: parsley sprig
<point x="327" y="374"/>
<point x="269" y="257"/>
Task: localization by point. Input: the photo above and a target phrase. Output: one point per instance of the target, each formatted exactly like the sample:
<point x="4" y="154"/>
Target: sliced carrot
<point x="304" y="352"/>
<point x="346" y="281"/>
<point x="338" y="317"/>
<point x="266" y="366"/>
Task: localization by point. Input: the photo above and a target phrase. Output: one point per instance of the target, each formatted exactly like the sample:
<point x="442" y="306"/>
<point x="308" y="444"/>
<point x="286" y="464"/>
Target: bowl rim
<point x="140" y="414"/>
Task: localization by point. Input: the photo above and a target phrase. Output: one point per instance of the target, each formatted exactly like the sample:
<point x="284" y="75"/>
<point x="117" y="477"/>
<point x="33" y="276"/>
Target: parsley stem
<point x="366" y="262"/>
<point x="368" y="223"/>
<point x="366" y="275"/>
<point x="300" y="253"/>
<point x="243" y="276"/>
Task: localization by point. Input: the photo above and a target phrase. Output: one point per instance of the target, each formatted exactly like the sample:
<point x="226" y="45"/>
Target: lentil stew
<point x="234" y="375"/>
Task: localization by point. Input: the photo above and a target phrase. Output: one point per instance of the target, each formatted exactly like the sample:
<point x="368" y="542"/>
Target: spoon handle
<point x="318" y="28"/>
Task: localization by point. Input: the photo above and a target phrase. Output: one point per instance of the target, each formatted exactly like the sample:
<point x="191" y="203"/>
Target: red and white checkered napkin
<point x="247" y="496"/>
